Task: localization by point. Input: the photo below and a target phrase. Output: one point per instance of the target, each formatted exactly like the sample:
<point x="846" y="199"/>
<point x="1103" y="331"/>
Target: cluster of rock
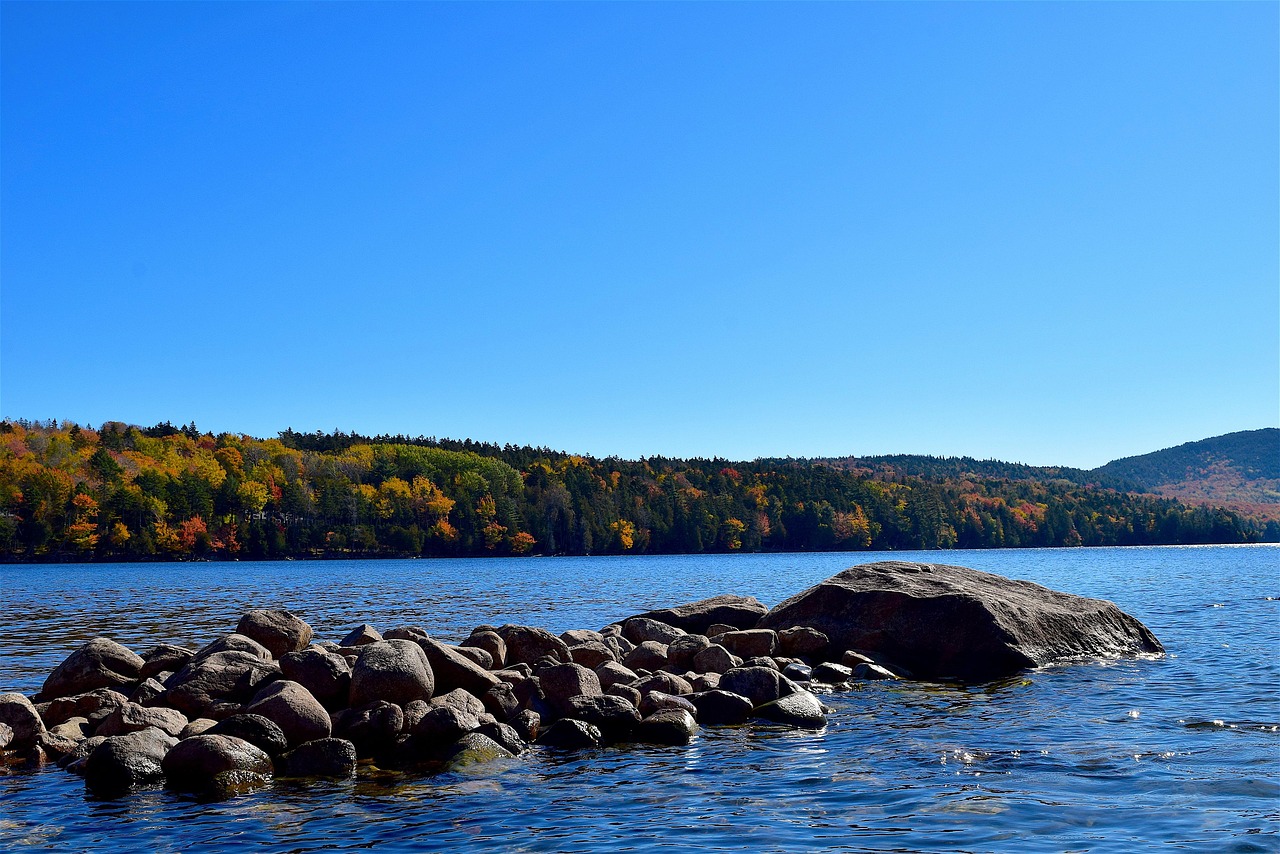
<point x="266" y="701"/>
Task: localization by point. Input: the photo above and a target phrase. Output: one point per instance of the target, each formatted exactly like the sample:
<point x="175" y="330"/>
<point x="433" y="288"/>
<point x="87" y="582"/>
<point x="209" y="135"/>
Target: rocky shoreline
<point x="269" y="700"/>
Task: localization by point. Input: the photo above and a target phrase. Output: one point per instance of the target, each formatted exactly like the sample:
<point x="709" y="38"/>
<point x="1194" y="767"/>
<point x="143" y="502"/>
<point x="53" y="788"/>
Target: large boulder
<point x="324" y="757"/>
<point x="563" y="682"/>
<point x="741" y="612"/>
<point x="490" y="642"/>
<point x="100" y="663"/>
<point x="194" y="763"/>
<point x="455" y="670"/>
<point x="263" y="733"/>
<point x="279" y="631"/>
<point x="798" y="709"/>
<point x="325" y="674"/>
<point x="298" y="714"/>
<point x="949" y="622"/>
<point x="527" y="644"/>
<point x="165" y="657"/>
<point x="395" y="670"/>
<point x="130" y="717"/>
<point x="22" y="718"/>
<point x="229" y="677"/>
<point x="123" y="762"/>
<point x="760" y="685"/>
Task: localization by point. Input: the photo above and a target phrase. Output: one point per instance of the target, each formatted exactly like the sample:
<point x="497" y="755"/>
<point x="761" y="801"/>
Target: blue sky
<point x="1036" y="232"/>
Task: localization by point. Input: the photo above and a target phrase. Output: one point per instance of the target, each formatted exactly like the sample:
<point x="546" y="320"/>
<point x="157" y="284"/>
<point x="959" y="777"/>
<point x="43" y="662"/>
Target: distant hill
<point x="1240" y="471"/>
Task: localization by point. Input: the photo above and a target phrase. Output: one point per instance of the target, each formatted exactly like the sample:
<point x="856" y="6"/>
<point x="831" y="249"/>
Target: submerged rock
<point x="944" y="622"/>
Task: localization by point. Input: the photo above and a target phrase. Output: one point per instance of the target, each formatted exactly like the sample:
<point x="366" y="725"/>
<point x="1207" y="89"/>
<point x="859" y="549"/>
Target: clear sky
<point x="1038" y="232"/>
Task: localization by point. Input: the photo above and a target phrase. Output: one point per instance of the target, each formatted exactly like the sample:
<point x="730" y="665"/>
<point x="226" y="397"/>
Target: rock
<point x="734" y="612"/>
<point x="55" y="745"/>
<point x="82" y="705"/>
<point x="442" y="725"/>
<point x="798" y="672"/>
<point x="527" y="644"/>
<point x="750" y="643"/>
<point x="234" y="643"/>
<point x="626" y="692"/>
<point x="475" y="655"/>
<point x="454" y="670"/>
<point x="192" y="764"/>
<point x="760" y="685"/>
<point x="638" y="630"/>
<point x="615" y="717"/>
<point x="298" y="714"/>
<point x="852" y="658"/>
<point x="565" y="681"/>
<point x="591" y="654"/>
<point x="165" y="657"/>
<point x="649" y="655"/>
<point x="261" y="732"/>
<point x="279" y="631"/>
<point x="762" y="661"/>
<point x="200" y="726"/>
<point x="100" y="663"/>
<point x="230" y="677"/>
<point x="569" y="734"/>
<point x="612" y="673"/>
<point x="872" y="672"/>
<point x="131" y="717"/>
<point x="718" y="708"/>
<point x="655" y="701"/>
<point x="831" y="673"/>
<point x="232" y="784"/>
<point x="6" y="736"/>
<point x="325" y="675"/>
<point x="395" y="670"/>
<point x="667" y="726"/>
<point x="490" y="642"/>
<point x="146" y="691"/>
<point x="668" y="683"/>
<point x="950" y="622"/>
<point x="472" y="749"/>
<point x="500" y="701"/>
<point x="575" y="637"/>
<point x="372" y="728"/>
<point x="803" y="642"/>
<point x="505" y="736"/>
<point x="705" y="682"/>
<point x="120" y="763"/>
<point x="462" y="701"/>
<point x="682" y="650"/>
<point x="324" y="757"/>
<point x="715" y="630"/>
<point x="22" y="718"/>
<point x="77" y="729"/>
<point x="715" y="659"/>
<point x="798" y="709"/>
<point x="361" y="635"/>
<point x="74" y="760"/>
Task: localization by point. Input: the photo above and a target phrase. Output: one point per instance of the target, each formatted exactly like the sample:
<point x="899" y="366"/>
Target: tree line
<point x="123" y="492"/>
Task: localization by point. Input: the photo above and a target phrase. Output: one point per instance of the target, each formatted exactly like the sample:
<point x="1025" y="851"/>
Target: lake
<point x="1181" y="752"/>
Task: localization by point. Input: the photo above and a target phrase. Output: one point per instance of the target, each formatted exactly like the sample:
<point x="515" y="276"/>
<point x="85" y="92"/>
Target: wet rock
<point x="492" y="643"/>
<point x="591" y="654"/>
<point x="162" y="658"/>
<point x="852" y="658"/>
<point x="666" y="726"/>
<point x="298" y="714"/>
<point x="6" y="736"/>
<point x="750" y="643"/>
<point x="615" y="717"/>
<point x="233" y="784"/>
<point x="803" y="642"/>
<point x="231" y="677"/>
<point x="325" y="675"/>
<point x="361" y="635"/>
<point x="121" y="763"/>
<point x="831" y="673"/>
<point x="372" y="728"/>
<point x="798" y="672"/>
<point x="82" y="705"/>
<point x="21" y="716"/>
<point x="131" y="717"/>
<point x="715" y="659"/>
<point x="527" y="644"/>
<point x="569" y="734"/>
<point x="325" y="757"/>
<point x="872" y="672"/>
<point x="100" y="663"/>
<point x="951" y="622"/>
<point x="612" y="673"/>
<point x="639" y="630"/>
<point x="527" y="724"/>
<point x="472" y="749"/>
<point x="731" y="612"/>
<point x="74" y="760"/>
<point x="193" y="763"/>
<point x="656" y="701"/>
<point x="760" y="685"/>
<point x="565" y="681"/>
<point x="798" y="709"/>
<point x="396" y="671"/>
<point x="505" y="736"/>
<point x="649" y="655"/>
<point x="278" y="630"/>
<point x="454" y="670"/>
<point x="263" y="733"/>
<point x="721" y="708"/>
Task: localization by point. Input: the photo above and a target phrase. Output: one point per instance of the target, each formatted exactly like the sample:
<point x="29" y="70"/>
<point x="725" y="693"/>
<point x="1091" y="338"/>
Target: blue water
<point x="1178" y="753"/>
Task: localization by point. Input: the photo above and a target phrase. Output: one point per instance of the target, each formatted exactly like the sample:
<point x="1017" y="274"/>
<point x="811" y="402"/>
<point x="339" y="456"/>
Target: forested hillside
<point x="122" y="492"/>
